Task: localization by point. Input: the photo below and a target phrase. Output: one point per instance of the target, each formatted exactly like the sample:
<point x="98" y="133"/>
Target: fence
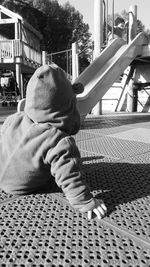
<point x="69" y="59"/>
<point x="62" y="58"/>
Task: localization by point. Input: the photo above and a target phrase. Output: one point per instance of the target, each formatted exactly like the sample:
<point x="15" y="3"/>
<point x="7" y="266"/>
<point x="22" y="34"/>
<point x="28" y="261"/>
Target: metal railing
<point x="31" y="54"/>
<point x="6" y="48"/>
<point x="67" y="55"/>
<point x="10" y="49"/>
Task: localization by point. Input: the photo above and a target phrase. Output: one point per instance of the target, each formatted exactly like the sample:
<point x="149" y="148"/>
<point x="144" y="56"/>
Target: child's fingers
<point x="104" y="207"/>
<point x="89" y="214"/>
<point x="101" y="204"/>
<point x="101" y="210"/>
<point x="97" y="212"/>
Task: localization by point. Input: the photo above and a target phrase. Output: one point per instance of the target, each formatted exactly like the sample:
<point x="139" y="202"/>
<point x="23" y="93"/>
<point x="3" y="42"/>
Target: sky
<point x="86" y="8"/>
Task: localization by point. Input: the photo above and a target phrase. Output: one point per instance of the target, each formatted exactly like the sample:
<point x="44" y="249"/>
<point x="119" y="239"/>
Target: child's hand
<point x="100" y="209"/>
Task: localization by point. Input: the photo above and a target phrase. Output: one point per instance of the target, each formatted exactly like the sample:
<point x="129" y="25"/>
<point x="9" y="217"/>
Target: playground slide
<point x="106" y="69"/>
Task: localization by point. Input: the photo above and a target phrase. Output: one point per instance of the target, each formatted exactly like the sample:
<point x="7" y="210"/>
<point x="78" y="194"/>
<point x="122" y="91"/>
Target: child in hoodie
<point x="36" y="145"/>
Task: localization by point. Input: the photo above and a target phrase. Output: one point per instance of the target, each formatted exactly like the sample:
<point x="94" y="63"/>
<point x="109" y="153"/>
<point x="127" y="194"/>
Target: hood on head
<point x="50" y="99"/>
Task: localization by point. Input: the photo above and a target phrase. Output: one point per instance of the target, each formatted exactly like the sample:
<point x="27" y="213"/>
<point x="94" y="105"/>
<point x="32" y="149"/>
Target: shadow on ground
<point x="117" y="183"/>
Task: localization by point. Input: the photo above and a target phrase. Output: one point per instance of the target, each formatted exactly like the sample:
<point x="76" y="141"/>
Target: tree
<point x="79" y="33"/>
<point x="27" y="11"/>
<point x="64" y="26"/>
<point x="59" y="25"/>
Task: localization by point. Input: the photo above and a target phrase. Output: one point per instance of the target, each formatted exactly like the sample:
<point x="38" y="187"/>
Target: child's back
<point x="36" y="145"/>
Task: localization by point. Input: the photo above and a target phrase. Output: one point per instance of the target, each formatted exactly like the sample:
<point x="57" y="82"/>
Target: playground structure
<point x="129" y="59"/>
<point x="106" y="69"/>
<point x="109" y="63"/>
<point x="19" y="47"/>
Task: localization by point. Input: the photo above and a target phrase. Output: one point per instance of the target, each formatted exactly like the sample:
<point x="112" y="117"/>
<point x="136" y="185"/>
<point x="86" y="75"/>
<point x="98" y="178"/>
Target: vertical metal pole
<point x="18" y="64"/>
<point x="77" y="63"/>
<point x="70" y="70"/>
<point x="75" y="66"/>
<point x="67" y="63"/>
<point x="106" y="21"/>
<point x="98" y="39"/>
<point x="98" y="27"/>
<point x="13" y="48"/>
<point x="16" y="31"/>
<point x="18" y="78"/>
<point x="44" y="58"/>
<point x="135" y="21"/>
<point x="132" y="23"/>
<point x="132" y="91"/>
<point x="113" y="19"/>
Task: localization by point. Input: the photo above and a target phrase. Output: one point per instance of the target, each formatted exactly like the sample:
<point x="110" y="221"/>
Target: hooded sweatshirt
<point x="36" y="145"/>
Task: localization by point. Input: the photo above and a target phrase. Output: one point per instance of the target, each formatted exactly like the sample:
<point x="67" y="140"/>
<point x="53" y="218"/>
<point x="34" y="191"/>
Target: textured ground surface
<point x="43" y="230"/>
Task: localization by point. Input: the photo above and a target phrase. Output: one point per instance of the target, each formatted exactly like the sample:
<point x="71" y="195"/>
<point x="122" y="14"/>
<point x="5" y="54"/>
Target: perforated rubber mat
<point x="113" y="147"/>
<point x="43" y="229"/>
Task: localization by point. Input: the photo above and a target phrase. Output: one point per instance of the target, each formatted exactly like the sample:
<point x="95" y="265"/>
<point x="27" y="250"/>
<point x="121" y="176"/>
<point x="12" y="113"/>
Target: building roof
<point x="16" y="17"/>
